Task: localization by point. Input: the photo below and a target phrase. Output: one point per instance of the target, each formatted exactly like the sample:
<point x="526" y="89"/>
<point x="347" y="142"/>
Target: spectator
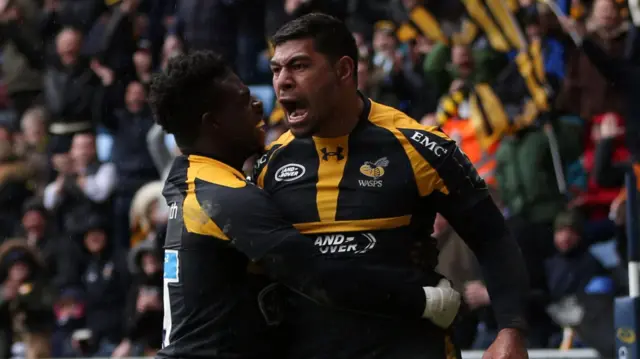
<point x="70" y="317"/>
<point x="135" y="166"/>
<point x="143" y="65"/>
<point x="105" y="279"/>
<point x="457" y="262"/>
<point x="83" y="183"/>
<point x="227" y="27"/>
<point x="144" y="306"/>
<point x="71" y="90"/>
<point x="34" y="145"/>
<point x="21" y="34"/>
<point x="40" y="234"/>
<point x="451" y="67"/>
<point x="604" y="154"/>
<point x="80" y="14"/>
<point x="575" y="273"/>
<point x="172" y="47"/>
<point x="585" y="91"/>
<point x="15" y="174"/>
<point x="28" y="298"/>
<point x="149" y="212"/>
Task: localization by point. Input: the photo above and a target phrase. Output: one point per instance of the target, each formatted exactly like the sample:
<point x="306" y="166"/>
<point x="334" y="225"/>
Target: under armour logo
<point x="337" y="153"/>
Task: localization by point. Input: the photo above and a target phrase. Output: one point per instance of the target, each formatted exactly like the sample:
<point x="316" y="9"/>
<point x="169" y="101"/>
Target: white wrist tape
<point x="442" y="304"/>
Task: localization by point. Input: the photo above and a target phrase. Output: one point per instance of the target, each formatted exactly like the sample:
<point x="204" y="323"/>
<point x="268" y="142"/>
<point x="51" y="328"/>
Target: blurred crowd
<point x="82" y="163"/>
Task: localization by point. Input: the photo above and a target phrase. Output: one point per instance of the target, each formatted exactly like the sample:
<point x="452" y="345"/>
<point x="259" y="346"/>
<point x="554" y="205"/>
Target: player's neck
<point x="344" y="119"/>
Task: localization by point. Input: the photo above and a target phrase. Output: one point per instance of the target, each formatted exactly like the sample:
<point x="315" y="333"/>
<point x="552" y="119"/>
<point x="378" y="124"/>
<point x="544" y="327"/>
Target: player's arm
<point x="463" y="198"/>
<point x="255" y="227"/>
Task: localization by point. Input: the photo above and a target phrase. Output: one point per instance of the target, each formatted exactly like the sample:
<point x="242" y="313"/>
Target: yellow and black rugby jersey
<point x="367" y="198"/>
<point x="218" y="222"/>
<point x="210" y="306"/>
<point x="389" y="173"/>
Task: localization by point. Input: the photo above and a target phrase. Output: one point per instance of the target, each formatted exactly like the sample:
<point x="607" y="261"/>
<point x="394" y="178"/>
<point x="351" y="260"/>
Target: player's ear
<point x="345" y="68"/>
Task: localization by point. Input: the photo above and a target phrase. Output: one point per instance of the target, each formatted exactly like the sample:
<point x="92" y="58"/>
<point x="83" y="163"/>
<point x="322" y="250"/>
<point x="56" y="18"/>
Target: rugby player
<point x="376" y="177"/>
<point x="219" y="224"/>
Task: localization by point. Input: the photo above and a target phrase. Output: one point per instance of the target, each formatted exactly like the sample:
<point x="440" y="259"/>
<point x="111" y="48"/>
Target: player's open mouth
<point x="296" y="110"/>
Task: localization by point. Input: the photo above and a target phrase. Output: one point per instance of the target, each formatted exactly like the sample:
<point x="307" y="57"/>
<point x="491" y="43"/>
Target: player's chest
<point x="354" y="179"/>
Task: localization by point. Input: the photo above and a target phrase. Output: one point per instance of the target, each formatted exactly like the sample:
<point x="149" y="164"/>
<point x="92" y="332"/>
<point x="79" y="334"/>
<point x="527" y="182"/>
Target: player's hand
<point x="476" y="295"/>
<point x="509" y="344"/>
<point x="442" y="304"/>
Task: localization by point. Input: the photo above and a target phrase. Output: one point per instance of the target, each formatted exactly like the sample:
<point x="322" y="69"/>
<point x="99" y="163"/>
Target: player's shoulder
<point x="211" y="174"/>
<point x="429" y="141"/>
<point x="283" y="140"/>
<point x="224" y="187"/>
<point x="263" y="161"/>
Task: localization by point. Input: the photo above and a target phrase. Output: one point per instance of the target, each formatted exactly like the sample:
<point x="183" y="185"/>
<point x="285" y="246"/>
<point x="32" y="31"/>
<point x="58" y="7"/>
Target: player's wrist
<point x="515" y="335"/>
<point x="441" y="304"/>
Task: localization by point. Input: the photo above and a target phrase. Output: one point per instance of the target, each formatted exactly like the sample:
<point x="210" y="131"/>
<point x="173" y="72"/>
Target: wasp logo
<point x="374" y="170"/>
<point x="338" y="153"/>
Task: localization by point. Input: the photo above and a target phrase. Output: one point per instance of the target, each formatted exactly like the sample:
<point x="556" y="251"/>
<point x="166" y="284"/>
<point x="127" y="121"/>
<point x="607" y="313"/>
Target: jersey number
<point x="171" y="275"/>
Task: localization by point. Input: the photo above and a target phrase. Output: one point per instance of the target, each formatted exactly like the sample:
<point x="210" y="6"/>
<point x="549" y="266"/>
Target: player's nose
<point x="284" y="81"/>
<point x="258" y="106"/>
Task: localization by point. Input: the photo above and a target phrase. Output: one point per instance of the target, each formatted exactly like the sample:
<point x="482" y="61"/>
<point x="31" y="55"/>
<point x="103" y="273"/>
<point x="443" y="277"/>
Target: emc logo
<point x="428" y="143"/>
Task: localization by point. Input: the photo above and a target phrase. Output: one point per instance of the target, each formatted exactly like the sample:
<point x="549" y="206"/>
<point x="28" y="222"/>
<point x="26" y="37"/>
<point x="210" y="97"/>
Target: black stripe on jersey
<point x="463" y="184"/>
<point x="174" y="192"/>
<point x="302" y="207"/>
<point x="375" y="176"/>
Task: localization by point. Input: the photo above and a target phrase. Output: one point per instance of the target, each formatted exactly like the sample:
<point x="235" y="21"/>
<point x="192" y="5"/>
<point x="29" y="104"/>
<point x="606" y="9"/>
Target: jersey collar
<point x="199" y="158"/>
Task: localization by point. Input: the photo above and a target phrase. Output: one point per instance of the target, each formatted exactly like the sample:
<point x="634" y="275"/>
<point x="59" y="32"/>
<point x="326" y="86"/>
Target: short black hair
<point x="331" y="37"/>
<point x="185" y="91"/>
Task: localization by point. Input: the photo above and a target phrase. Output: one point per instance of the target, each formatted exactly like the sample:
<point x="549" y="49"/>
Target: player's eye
<point x="275" y="70"/>
<point x="299" y="66"/>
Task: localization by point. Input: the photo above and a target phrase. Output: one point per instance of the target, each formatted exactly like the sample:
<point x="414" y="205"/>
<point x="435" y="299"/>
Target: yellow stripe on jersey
<point x="353" y="225"/>
<point x="216" y="172"/>
<point x="195" y="218"/>
<point x="426" y="177"/>
<point x="449" y="348"/>
<point x="332" y="155"/>
<point x="282" y="141"/>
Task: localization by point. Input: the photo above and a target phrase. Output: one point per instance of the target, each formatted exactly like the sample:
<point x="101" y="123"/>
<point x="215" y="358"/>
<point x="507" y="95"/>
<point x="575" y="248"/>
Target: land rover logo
<point x="290" y="172"/>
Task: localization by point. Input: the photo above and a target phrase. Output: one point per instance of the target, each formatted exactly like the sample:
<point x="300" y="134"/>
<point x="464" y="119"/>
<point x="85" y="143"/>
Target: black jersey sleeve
<point x="256" y="228"/>
<point x="462" y="196"/>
